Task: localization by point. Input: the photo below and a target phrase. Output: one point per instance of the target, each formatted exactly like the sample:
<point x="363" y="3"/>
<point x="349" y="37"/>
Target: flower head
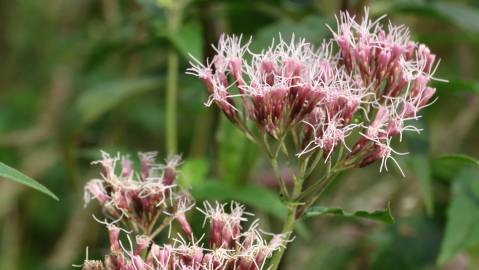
<point x="369" y="81"/>
<point x="234" y="249"/>
<point x="139" y="198"/>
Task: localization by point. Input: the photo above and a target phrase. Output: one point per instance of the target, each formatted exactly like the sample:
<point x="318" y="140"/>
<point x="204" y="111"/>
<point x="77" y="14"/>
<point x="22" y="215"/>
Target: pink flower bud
<point x="292" y="68"/>
<point x="139" y="263"/>
<point x="267" y="69"/>
<point x="92" y="265"/>
<point x="216" y="230"/>
<point x="142" y="243"/>
<point x="115" y="260"/>
<point x="382" y="116"/>
<point x="426" y="95"/>
<point x="147" y="160"/>
<point x="418" y="85"/>
<point x="185" y="226"/>
<point x="169" y="173"/>
<point x="235" y="69"/>
<point x="96" y="189"/>
<point x="126" y="167"/>
<point x="114" y="233"/>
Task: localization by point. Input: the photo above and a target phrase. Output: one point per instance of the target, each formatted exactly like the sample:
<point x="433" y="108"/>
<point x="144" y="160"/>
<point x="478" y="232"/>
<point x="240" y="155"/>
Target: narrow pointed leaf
<point x="10" y="173"/>
<point x="384" y="215"/>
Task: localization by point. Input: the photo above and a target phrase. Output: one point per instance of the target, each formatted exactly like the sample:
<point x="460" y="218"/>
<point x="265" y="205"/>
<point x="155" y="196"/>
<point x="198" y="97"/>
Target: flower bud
<point x="185" y="226"/>
<point x="147" y="160"/>
<point x="114" y="233"/>
<point x="95" y="188"/>
<point x="126" y="167"/>
<point x="92" y="265"/>
<point x="142" y="243"/>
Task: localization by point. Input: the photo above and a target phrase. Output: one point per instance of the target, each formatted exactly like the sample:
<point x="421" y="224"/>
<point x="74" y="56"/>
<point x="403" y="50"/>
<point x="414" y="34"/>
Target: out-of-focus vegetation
<point x="78" y="76"/>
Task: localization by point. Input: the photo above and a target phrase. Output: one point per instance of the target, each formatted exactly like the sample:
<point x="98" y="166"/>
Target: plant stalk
<point x="290" y="221"/>
<point x="171" y="102"/>
<point x="287" y="228"/>
<point x="174" y="17"/>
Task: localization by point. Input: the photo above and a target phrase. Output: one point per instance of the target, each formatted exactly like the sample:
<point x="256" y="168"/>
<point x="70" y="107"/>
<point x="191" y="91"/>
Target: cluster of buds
<point x="367" y="80"/>
<point x="229" y="247"/>
<point x="139" y="199"/>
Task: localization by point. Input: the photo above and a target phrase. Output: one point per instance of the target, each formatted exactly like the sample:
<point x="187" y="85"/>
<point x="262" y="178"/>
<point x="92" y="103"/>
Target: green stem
<point x="174" y="17"/>
<point x="287" y="228"/>
<point x="161" y="227"/>
<point x="171" y="102"/>
<point x="279" y="175"/>
<point x="290" y="221"/>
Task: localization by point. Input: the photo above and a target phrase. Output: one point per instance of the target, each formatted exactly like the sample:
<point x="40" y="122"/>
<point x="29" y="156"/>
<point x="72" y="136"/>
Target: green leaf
<point x="193" y="172"/>
<point x="463" y="16"/>
<point x="457" y="86"/>
<point x="254" y="196"/>
<point x="447" y="167"/>
<point x="422" y="170"/>
<point x="312" y="28"/>
<point x="188" y="40"/>
<point x="101" y="98"/>
<point x="236" y="154"/>
<point x="257" y="197"/>
<point x="462" y="232"/>
<point x="384" y="215"/>
<point x="14" y="175"/>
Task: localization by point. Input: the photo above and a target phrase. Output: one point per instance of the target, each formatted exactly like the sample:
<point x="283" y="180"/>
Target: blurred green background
<point x="77" y="76"/>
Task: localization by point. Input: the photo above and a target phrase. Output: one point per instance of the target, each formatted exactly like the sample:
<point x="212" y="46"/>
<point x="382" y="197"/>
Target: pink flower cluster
<point x="367" y="80"/>
<point x="139" y="200"/>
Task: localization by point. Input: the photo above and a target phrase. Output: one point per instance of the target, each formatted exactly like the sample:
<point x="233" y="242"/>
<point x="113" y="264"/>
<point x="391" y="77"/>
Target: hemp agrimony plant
<point x="317" y="111"/>
<point x="322" y="110"/>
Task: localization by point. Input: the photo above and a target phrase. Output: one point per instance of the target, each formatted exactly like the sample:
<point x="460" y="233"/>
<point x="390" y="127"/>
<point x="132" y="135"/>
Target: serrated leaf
<point x="384" y="215"/>
<point x="10" y="173"/>
<point x="446" y="167"/>
<point x="462" y="232"/>
<point x="103" y="97"/>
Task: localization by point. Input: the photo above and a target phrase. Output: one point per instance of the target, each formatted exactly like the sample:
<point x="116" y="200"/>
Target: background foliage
<point x="81" y="75"/>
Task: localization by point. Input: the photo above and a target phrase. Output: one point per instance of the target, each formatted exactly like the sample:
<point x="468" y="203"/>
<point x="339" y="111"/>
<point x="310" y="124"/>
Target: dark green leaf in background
<point x="193" y="172"/>
<point x="313" y="28"/>
<point x="103" y="97"/>
<point x="422" y="172"/>
<point x="465" y="17"/>
<point x="235" y="158"/>
<point x="254" y="196"/>
<point x="447" y="167"/>
<point x="462" y="230"/>
<point x="457" y="85"/>
<point x="188" y="40"/>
